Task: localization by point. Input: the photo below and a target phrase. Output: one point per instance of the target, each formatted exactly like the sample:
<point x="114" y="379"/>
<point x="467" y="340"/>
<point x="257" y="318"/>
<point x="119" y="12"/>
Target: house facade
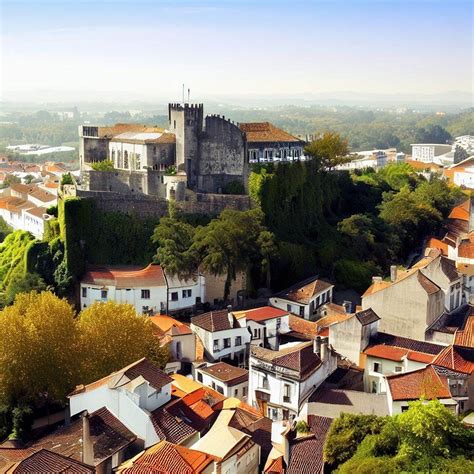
<point x="406" y="306"/>
<point x="304" y="298"/>
<point x="281" y="381"/>
<point x="265" y="325"/>
<point x="226" y="379"/>
<point x="223" y="335"/>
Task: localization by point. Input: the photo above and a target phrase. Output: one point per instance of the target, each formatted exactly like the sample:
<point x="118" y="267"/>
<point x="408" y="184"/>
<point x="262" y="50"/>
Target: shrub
<point x="106" y="165"/>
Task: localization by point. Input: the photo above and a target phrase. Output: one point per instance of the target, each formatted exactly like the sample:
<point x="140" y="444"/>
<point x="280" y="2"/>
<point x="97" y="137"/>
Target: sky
<point x="138" y="49"/>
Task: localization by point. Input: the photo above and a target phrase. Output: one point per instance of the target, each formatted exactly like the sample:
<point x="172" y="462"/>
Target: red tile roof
<point x="460" y="212"/>
<point x="171" y="428"/>
<point x="261" y="314"/>
<point x="45" y="461"/>
<point x="276" y="467"/>
<point x="458" y="359"/>
<point x="386" y="352"/>
<point x="438" y="244"/>
<point x="168" y="458"/>
<point x="261" y="132"/>
<point x="306" y="454"/>
<point x="466" y="247"/>
<point x="165" y="323"/>
<point x="215" y="321"/>
<point x="226" y="373"/>
<point x="108" y="435"/>
<point x="125" y="277"/>
<point x="465" y="337"/>
<point x="420" y="383"/>
<point x="299" y="358"/>
<point x="150" y="372"/>
<point x="304" y="291"/>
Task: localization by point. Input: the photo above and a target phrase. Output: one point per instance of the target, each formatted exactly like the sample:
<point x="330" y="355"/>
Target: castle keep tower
<point x="186" y="122"/>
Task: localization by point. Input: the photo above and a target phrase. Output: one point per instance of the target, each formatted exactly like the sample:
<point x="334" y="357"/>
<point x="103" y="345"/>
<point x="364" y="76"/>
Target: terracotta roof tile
<point x="466" y="247"/>
<point x="417" y="384"/>
<point x="306" y="454"/>
<point x="465" y="336"/>
<point x="226" y="373"/>
<point x="304" y="291"/>
<point x="458" y="359"/>
<point x="125" y="277"/>
<point x="438" y="244"/>
<point x="299" y="358"/>
<point x="261" y="314"/>
<point x="261" y="132"/>
<point x="108" y="435"/>
<point x="166" y="323"/>
<point x="167" y="458"/>
<point x="276" y="467"/>
<point x="215" y="321"/>
<point x="171" y="428"/>
<point x="45" y="461"/>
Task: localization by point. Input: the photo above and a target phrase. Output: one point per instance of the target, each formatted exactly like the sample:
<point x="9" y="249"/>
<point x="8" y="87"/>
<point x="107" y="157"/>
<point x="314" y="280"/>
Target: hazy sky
<point x="148" y="48"/>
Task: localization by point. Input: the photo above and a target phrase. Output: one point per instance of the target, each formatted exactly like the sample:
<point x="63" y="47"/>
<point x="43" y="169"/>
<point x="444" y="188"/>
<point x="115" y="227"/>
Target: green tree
<point x="5" y="229"/>
<point x="23" y="283"/>
<point x="230" y="243"/>
<point x="329" y="150"/>
<point x="112" y="336"/>
<point x="174" y="239"/>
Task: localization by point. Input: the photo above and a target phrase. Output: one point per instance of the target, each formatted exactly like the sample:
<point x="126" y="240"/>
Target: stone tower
<point x="186" y="122"/>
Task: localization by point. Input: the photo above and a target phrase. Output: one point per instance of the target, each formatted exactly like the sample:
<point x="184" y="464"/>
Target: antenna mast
<point x="183" y="92"/>
<point x="189" y="94"/>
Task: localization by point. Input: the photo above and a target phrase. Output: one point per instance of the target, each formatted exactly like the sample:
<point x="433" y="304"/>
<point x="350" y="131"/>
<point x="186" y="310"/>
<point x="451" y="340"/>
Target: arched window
<point x="125" y="160"/>
<point x="113" y="158"/>
<point x="119" y="159"/>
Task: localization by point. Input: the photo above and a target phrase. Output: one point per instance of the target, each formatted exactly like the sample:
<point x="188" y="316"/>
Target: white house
<point x="223" y="336"/>
<point x="280" y="382"/>
<point x="388" y="354"/>
<point x="462" y="173"/>
<point x="185" y="293"/>
<point x="179" y="338"/>
<point x="145" y="289"/>
<point x="132" y="394"/>
<point x="366" y="159"/>
<point x="423" y="383"/>
<point x="149" y="289"/>
<point x="265" y="325"/>
<point x="304" y="298"/>
<point x="226" y="379"/>
<point x="427" y="152"/>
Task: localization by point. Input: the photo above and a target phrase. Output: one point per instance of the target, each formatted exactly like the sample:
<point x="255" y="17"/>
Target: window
<point x="199" y="377"/>
<point x="187" y="293"/>
<point x="174" y="124"/>
<point x="145" y="294"/>
<point x="216" y="344"/>
<point x="226" y="342"/>
<point x="302" y="311"/>
<point x="374" y="386"/>
<point x="236" y="392"/>
<point x="103" y="294"/>
<point x="398" y="368"/>
<point x="278" y="323"/>
<point x="84" y="292"/>
<point x="125" y="159"/>
<point x="137" y="161"/>
<point x="213" y="385"/>
<point x="145" y="309"/>
<point x="238" y="341"/>
<point x="288" y="308"/>
<point x="377" y="367"/>
<point x="287" y="393"/>
<point x="174" y="296"/>
<point x="244" y="391"/>
<point x="405" y="408"/>
<point x="220" y="389"/>
<point x="256" y="333"/>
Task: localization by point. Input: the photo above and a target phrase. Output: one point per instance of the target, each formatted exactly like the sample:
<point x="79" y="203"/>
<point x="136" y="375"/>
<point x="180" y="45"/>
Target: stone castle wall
<point x="151" y="206"/>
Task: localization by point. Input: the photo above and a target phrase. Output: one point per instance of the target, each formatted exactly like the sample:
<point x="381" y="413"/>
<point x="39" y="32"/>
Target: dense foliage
<point x="426" y="438"/>
<point x="105" y="165"/>
<point x="348" y="226"/>
<point x="231" y="242"/>
<point x="45" y="350"/>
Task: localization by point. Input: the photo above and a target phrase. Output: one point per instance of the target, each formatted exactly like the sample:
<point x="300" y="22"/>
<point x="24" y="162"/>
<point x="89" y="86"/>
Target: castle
<point x="196" y="154"/>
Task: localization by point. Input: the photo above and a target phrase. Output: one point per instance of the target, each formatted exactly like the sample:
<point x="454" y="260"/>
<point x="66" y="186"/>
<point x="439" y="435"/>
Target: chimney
<point x="324" y="349"/>
<point x="286" y="444"/>
<point x="229" y="315"/>
<point x="393" y="273"/>
<point x="376" y="278"/>
<point x="347" y="305"/>
<point x="317" y="345"/>
<point x="87" y="446"/>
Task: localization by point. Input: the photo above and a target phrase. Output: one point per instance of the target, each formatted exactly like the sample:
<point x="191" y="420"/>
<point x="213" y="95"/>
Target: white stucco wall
<point x="222" y="387"/>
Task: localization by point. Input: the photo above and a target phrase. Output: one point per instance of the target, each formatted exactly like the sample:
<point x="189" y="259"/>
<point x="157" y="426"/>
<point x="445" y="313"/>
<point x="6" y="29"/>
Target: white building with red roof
<point x="148" y="289"/>
<point x="265" y="325"/>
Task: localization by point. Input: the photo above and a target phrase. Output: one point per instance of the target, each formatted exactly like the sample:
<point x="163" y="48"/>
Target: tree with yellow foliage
<point x="112" y="336"/>
<point x="38" y="349"/>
